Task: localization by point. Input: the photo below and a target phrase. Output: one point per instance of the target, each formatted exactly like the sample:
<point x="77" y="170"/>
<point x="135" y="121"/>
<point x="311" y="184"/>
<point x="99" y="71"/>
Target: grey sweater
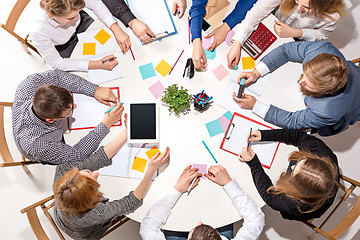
<point x="94" y="223"/>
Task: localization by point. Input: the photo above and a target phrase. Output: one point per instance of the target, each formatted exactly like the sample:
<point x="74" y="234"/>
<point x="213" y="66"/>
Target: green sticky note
<point x="209" y="54"/>
<point x="147" y="71"/>
<point x="214" y="127"/>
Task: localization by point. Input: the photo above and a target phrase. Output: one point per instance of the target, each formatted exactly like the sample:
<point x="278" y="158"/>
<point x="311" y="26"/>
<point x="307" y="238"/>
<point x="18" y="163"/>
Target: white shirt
<point x="47" y="33"/>
<point x="314" y="27"/>
<point x="254" y="219"/>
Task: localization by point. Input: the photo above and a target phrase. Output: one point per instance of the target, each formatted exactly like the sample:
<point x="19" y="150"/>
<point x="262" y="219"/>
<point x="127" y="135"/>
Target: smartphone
<point x="206" y="27"/>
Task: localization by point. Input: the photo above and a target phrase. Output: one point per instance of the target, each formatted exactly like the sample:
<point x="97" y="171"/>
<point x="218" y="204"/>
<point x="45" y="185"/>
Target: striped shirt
<point x="40" y="141"/>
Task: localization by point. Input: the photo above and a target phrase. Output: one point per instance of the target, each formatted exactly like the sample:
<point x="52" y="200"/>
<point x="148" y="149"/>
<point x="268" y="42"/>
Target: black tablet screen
<point x="143" y="121"/>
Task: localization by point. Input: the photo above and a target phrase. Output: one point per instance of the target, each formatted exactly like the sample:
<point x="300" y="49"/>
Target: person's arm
<point x="151" y="225"/>
<point x="321" y="33"/>
<point x="120" y="10"/>
<point x="197" y="13"/>
<point x="260" y="10"/>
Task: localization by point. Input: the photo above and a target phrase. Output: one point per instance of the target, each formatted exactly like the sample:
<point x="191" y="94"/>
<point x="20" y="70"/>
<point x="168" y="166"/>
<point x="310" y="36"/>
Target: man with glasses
<point x="41" y="101"/>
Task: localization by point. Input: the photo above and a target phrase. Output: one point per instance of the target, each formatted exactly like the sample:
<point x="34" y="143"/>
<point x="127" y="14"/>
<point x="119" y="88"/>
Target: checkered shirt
<point x="40" y="141"/>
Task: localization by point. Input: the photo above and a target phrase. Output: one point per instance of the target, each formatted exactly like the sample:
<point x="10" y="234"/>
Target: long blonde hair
<point x="316" y="182"/>
<point x="322" y="8"/>
<point x="75" y="193"/>
<point x="61" y="7"/>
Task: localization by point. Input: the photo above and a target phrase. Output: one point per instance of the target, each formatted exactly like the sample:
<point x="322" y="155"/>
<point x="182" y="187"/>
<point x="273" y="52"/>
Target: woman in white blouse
<point x="54" y="33"/>
<point x="307" y="20"/>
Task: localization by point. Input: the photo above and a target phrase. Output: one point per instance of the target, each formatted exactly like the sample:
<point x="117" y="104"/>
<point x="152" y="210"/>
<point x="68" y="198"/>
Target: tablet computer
<point x="143" y="121"/>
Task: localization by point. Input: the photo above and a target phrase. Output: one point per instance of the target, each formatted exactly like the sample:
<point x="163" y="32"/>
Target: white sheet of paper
<point x="123" y="160"/>
<point x="98" y="76"/>
<point x="89" y="112"/>
<point x="226" y="100"/>
<point x="88" y="37"/>
<point x="154" y="13"/>
<point x="264" y="150"/>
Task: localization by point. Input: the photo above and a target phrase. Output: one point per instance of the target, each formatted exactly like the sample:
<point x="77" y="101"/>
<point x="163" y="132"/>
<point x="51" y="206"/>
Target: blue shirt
<point x="197" y="12"/>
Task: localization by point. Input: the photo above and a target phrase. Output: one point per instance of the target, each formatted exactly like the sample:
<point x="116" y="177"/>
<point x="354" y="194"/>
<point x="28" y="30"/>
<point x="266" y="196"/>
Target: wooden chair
<point x="356" y="61"/>
<point x="347" y="221"/>
<point x="47" y="204"/>
<point x="10" y="24"/>
<point x="5" y="154"/>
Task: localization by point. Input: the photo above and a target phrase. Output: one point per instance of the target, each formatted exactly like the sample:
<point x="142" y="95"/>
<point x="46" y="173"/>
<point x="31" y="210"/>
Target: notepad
<point x="229" y="35"/>
<point x="220" y="72"/>
<point x="202" y="169"/>
<point x="131" y="161"/>
<point x="157" y="89"/>
<point x="147" y="71"/>
<point x="99" y="76"/>
<point x="152" y="152"/>
<point x="99" y="40"/>
<point x="89" y="112"/>
<point x="155" y="14"/>
<point x="102" y="36"/>
<point x="209" y="54"/>
<point x="224" y="122"/>
<point x="163" y="68"/>
<point x="214" y="127"/>
<point x="248" y="63"/>
<point x="89" y="48"/>
<point x="206" y="42"/>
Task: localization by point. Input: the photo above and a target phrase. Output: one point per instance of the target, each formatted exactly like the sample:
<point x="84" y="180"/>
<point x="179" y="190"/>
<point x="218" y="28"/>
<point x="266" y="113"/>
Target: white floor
<point x="18" y="190"/>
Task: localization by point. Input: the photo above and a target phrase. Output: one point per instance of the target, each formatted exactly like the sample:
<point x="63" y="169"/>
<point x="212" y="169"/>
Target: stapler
<point x="189" y="69"/>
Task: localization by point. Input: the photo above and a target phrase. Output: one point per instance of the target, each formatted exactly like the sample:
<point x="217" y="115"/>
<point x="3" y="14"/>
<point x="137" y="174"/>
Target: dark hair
<point x="50" y="101"/>
<point x="205" y="232"/>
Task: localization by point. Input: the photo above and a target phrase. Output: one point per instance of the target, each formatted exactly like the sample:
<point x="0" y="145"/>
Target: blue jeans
<point x="226" y="231"/>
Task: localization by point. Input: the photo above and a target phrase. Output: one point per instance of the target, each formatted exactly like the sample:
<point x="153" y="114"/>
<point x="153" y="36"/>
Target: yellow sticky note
<point x="248" y="63"/>
<point x="102" y="36"/>
<point x="154" y="150"/>
<point x="163" y="68"/>
<point x="139" y="164"/>
<point x="89" y="48"/>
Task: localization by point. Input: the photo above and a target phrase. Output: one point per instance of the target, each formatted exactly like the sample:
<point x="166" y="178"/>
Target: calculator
<point x="259" y="41"/>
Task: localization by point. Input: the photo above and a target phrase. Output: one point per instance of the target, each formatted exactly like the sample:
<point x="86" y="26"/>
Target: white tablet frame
<point x="157" y="121"/>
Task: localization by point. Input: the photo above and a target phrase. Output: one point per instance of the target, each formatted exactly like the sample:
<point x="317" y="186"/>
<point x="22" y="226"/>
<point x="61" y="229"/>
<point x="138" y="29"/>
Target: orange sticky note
<point x="248" y="63"/>
<point x="163" y="68"/>
<point x="89" y="48"/>
<point x="102" y="36"/>
<point x="139" y="164"/>
<point x="154" y="150"/>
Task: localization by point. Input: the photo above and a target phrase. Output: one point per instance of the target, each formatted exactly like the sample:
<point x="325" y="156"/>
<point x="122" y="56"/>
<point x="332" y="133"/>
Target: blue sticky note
<point x="209" y="54"/>
<point x="228" y="115"/>
<point x="147" y="71"/>
<point x="214" y="128"/>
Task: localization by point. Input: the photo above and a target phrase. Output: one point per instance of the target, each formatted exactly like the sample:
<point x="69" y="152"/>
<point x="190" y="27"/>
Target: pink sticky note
<point x="202" y="169"/>
<point x="229" y="35"/>
<point x="157" y="89"/>
<point x="224" y="122"/>
<point x="220" y="72"/>
<point x="206" y="42"/>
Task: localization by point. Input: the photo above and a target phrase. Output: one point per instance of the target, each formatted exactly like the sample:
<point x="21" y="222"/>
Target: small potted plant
<point x="177" y="99"/>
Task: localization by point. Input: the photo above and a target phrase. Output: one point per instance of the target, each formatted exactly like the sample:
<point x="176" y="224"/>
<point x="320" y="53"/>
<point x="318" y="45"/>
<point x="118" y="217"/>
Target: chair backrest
<point x="350" y="217"/>
<point x="11" y="21"/>
<point x="46" y="204"/>
<point x="5" y="154"/>
<point x="356" y="61"/>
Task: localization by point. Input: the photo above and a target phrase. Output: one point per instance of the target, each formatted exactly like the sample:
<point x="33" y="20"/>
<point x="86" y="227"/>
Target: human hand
<point x="122" y="39"/>
<point x="105" y="95"/>
<point x="158" y="160"/>
<point x="251" y="77"/>
<point x="141" y="30"/>
<point x="246" y="101"/>
<point x="185" y="179"/>
<point x="113" y="116"/>
<point x="233" y="57"/>
<point x="255" y="136"/>
<point x="246" y="155"/>
<point x="198" y="55"/>
<point x="219" y="36"/>
<point x="285" y="31"/>
<point x="219" y="175"/>
<point x="108" y="65"/>
<point x="182" y="6"/>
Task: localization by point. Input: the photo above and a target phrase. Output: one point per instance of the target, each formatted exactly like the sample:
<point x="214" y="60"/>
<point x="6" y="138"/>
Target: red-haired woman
<point x="81" y="210"/>
<point x="308" y="187"/>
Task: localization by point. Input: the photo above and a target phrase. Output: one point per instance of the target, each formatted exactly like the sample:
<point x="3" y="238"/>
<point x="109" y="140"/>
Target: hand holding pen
<point x="188" y="180"/>
<point x="113" y="115"/>
<point x="108" y="62"/>
<point x="219" y="175"/>
<point x="255" y="135"/>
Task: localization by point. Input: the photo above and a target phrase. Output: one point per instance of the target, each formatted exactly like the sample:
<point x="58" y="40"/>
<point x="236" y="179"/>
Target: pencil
<point x="209" y="151"/>
<point x="176" y="61"/>
<point x="112" y="108"/>
<point x="109" y="59"/>
<point x="132" y="54"/>
<point x="248" y="144"/>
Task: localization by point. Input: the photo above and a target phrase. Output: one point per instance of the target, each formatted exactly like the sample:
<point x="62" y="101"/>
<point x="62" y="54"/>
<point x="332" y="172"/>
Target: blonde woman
<point x="308" y="187"/>
<point x="307" y="20"/>
<point x="54" y="33"/>
<point x="81" y="210"/>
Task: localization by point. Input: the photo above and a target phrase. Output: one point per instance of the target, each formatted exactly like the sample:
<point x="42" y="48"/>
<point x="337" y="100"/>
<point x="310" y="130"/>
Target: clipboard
<point x="155" y="14"/>
<point x="89" y="112"/>
<point x="235" y="139"/>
